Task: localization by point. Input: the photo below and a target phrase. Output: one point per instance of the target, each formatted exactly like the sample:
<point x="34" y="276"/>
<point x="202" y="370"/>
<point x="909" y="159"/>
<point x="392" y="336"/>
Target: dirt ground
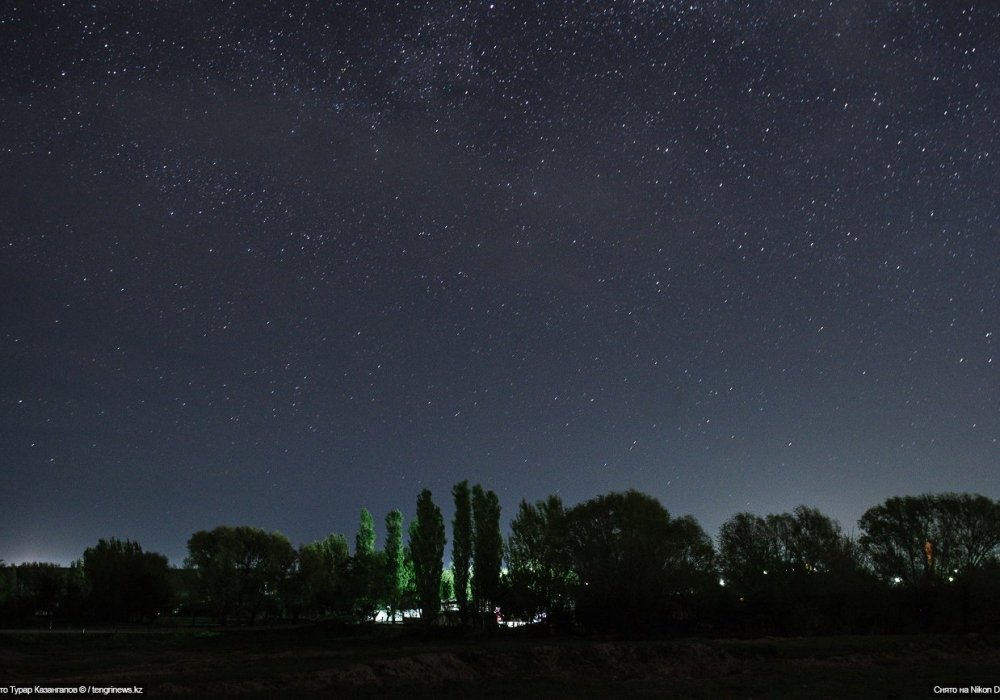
<point x="318" y="661"/>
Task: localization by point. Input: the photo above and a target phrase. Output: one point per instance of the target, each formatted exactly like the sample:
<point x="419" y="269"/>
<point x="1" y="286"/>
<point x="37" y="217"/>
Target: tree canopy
<point x="918" y="540"/>
<point x="240" y="569"/>
<point x="126" y="583"/>
<point x="427" y="541"/>
<point x="461" y="547"/>
<point x="487" y="550"/>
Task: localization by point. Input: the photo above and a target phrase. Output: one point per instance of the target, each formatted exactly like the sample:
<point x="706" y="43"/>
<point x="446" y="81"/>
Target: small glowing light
<point x="722" y="582"/>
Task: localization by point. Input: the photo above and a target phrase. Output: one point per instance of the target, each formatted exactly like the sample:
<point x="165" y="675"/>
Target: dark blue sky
<point x="271" y="265"/>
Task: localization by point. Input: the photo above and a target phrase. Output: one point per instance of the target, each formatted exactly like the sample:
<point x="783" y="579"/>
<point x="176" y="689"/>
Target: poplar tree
<point x="487" y="549"/>
<point x="366" y="567"/>
<point x="427" y="542"/>
<point x="393" y="561"/>
<point x="461" y="548"/>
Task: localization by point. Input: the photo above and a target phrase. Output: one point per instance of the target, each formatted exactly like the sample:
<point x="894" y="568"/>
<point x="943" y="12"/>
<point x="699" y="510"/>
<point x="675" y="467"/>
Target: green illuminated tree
<point x="364" y="540"/>
<point x="367" y="567"/>
<point x="394" y="561"/>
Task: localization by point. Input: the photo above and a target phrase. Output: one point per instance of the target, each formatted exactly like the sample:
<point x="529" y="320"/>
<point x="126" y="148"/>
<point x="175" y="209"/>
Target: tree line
<point x="619" y="561"/>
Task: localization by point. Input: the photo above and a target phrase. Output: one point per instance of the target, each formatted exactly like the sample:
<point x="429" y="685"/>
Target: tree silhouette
<point x="487" y="551"/>
<point x="126" y="584"/>
<point x="39" y="587"/>
<point x="461" y="547"/>
<point x="240" y="569"/>
<point x="540" y="576"/>
<point x="321" y="584"/>
<point x="368" y="572"/>
<point x="749" y="551"/>
<point x="427" y="541"/>
<point x="394" y="561"/>
<point x="690" y="565"/>
<point x="620" y="544"/>
<point x="925" y="539"/>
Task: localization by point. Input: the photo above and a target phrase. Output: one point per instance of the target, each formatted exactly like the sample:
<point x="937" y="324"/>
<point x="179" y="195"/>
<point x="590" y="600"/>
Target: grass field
<point x="391" y="662"/>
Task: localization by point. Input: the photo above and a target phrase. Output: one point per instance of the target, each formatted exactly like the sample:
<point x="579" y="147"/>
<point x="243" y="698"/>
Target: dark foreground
<point x="386" y="662"/>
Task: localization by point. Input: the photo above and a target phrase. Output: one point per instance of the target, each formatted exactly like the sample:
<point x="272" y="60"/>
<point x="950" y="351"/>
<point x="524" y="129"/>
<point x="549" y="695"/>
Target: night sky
<point x="269" y="262"/>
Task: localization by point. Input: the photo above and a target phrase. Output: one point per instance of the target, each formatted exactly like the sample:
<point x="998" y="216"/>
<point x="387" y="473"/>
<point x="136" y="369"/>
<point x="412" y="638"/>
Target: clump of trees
<point x="789" y="572"/>
<point x="930" y="539"/>
<point x="41" y="593"/>
<point x="540" y="580"/>
<point x="619" y="561"/>
<point x="240" y="570"/>
<point x="126" y="584"/>
<point x="939" y="557"/>
<point x="115" y="582"/>
<point x="319" y="583"/>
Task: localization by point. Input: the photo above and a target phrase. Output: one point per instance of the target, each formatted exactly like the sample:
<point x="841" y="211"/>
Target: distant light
<point x="765" y="572"/>
<point x="951" y="579"/>
<point x="722" y="582"/>
<point x="897" y="580"/>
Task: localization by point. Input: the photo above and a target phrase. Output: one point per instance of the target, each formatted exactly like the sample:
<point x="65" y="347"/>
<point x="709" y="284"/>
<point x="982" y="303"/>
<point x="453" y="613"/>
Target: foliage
<point x="791" y="572"/>
<point x="620" y="545"/>
<point x="447" y="588"/>
<point x="39" y="589"/>
<point x="748" y="551"/>
<point x="540" y="578"/>
<point x="461" y="547"/>
<point x="320" y="584"/>
<point x="920" y="540"/>
<point x="364" y="540"/>
<point x="690" y="564"/>
<point x="408" y="599"/>
<point x="126" y="584"/>
<point x="394" y="561"/>
<point x="240" y="569"/>
<point x="923" y="563"/>
<point x="756" y="551"/>
<point x="367" y="567"/>
<point x="487" y="550"/>
<point x="427" y="541"/>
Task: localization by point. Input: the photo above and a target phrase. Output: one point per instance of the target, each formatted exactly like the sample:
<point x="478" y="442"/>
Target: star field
<point x="271" y="264"/>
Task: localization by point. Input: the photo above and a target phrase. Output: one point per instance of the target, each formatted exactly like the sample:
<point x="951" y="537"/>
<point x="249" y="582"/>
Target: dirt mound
<point x="612" y="660"/>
